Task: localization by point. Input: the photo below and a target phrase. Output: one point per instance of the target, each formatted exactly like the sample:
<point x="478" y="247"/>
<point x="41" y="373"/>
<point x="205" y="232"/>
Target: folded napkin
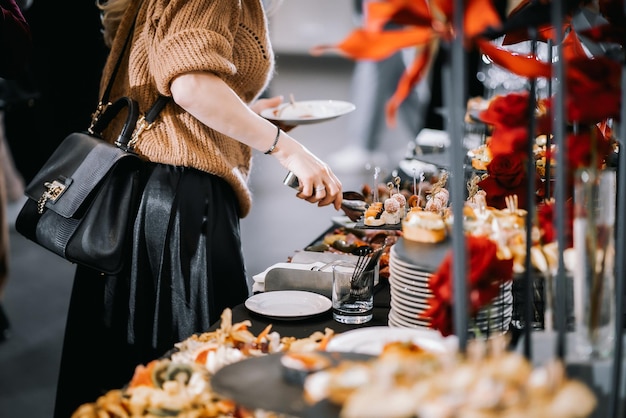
<point x="259" y="279"/>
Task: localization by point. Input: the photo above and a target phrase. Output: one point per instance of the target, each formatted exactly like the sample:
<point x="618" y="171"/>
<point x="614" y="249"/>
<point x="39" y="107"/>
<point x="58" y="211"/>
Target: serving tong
<point x="366" y="263"/>
<point x="353" y="205"/>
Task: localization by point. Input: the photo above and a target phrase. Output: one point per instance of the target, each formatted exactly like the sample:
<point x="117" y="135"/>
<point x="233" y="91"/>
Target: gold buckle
<point x="96" y="115"/>
<point x="142" y="125"/>
<point x="53" y="190"/>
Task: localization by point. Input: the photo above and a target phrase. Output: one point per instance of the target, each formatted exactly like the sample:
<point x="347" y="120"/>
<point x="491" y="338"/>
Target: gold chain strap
<point x="53" y="190"/>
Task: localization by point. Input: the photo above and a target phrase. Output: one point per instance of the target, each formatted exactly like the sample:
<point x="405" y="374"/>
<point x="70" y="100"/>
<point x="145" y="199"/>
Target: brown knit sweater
<point x="171" y="37"/>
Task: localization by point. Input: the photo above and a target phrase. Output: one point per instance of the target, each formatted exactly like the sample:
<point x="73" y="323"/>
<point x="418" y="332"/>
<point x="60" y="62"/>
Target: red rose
<point x="506" y="175"/>
<point x="440" y="316"/>
<point x="507" y="111"/>
<point x="486" y="274"/>
<point x="506" y="141"/>
<point x="582" y="147"/>
<point x="509" y="170"/>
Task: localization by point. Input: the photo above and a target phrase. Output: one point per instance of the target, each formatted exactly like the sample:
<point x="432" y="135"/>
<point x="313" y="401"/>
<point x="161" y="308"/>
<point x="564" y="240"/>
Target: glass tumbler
<point x="352" y="293"/>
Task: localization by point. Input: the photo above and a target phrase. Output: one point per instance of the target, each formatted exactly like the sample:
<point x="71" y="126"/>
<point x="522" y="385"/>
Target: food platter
<point x="360" y="224"/>
<point x="308" y="111"/>
<point x="258" y="383"/>
<point x="370" y="340"/>
<point x="288" y="304"/>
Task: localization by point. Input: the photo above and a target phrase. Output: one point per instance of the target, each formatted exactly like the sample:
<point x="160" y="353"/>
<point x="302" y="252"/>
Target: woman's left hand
<point x="261" y="104"/>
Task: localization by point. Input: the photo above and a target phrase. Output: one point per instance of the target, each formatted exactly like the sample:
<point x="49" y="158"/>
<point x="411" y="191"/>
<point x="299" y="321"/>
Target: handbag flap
<point x="78" y="165"/>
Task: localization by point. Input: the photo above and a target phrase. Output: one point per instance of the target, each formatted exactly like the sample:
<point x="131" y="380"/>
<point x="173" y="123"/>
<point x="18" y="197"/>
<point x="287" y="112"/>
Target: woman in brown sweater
<point x="214" y="59"/>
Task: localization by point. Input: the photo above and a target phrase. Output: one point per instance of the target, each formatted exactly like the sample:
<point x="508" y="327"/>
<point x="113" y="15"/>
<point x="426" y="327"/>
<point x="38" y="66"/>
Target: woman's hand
<point x="269" y="103"/>
<point x="317" y="183"/>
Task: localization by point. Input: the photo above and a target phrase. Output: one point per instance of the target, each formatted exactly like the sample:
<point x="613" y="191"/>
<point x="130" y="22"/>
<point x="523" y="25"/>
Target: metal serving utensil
<point x="353" y="205"/>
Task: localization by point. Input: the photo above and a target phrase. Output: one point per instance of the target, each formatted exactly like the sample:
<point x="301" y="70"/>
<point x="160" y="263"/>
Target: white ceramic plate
<point x="410" y="273"/>
<point x="410" y="267"/>
<point x="399" y="320"/>
<point x="396" y="320"/>
<point x="411" y="312"/>
<point x="410" y="300"/>
<point x="288" y="304"/>
<point x="371" y="340"/>
<point x="409" y="321"/>
<point x="308" y="111"/>
<point x="415" y="284"/>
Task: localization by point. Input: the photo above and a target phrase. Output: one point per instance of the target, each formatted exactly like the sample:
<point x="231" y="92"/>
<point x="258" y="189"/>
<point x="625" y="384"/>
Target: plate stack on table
<point x="411" y="265"/>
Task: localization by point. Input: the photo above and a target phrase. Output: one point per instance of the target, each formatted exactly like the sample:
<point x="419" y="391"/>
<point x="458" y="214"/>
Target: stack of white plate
<point x="410" y="294"/>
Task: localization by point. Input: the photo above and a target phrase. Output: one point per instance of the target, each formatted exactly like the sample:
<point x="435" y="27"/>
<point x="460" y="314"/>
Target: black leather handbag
<point x="82" y="202"/>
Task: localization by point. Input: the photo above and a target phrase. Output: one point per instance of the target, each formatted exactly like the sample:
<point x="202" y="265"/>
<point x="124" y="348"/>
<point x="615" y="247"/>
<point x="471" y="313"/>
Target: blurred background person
<point x="67" y="59"/>
<point x="15" y="49"/>
<point x="373" y="83"/>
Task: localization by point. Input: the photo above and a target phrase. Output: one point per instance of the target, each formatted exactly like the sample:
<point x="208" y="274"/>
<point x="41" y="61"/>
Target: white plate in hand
<point x="308" y="111"/>
<point x="288" y="304"/>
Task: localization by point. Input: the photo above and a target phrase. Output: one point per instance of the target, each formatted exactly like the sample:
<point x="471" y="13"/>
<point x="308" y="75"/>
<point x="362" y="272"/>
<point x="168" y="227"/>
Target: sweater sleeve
<point x="15" y="39"/>
<point x="185" y="39"/>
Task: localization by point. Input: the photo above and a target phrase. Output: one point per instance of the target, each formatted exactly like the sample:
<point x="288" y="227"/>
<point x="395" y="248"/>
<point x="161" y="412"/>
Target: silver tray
<point x="258" y="383"/>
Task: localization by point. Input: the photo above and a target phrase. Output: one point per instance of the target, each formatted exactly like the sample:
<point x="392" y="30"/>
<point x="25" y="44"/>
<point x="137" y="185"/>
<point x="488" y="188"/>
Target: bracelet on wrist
<point x="273" y="147"/>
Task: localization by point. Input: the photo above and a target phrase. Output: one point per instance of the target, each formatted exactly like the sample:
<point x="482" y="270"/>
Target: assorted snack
<point x="407" y="381"/>
<point x="344" y="240"/>
<point x="404" y="380"/>
<point x="425" y="214"/>
<point x="297" y="365"/>
<point x="424" y="226"/>
<point x="179" y="385"/>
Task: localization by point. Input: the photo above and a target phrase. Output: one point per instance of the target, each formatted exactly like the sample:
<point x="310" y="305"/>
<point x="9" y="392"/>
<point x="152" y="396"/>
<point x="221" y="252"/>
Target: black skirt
<point x="185" y="268"/>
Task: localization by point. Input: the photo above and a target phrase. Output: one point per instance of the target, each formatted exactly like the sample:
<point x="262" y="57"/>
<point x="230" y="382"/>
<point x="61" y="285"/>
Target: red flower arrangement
<point x="424" y="24"/>
<point x="546" y="218"/>
<point x="507" y="111"/>
<point x="593" y="96"/>
<point x="487" y="274"/>
<point x="592" y="88"/>
<point x="506" y="175"/>
<point x="587" y="148"/>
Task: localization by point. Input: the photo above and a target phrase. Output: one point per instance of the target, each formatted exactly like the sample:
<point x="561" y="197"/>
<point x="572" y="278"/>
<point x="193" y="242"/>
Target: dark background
<point x="66" y="64"/>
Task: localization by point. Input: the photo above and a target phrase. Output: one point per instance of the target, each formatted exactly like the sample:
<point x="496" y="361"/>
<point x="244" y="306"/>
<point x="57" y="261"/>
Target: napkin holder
<point x="318" y="281"/>
<point x="291" y="279"/>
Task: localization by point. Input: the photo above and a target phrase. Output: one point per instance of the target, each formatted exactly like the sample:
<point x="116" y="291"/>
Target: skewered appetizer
<point x="373" y="213"/>
<point x="390" y="211"/>
<point x="392" y="214"/>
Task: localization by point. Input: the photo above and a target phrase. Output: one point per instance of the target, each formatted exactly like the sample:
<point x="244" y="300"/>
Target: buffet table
<point x="304" y="327"/>
<point x="597" y="374"/>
